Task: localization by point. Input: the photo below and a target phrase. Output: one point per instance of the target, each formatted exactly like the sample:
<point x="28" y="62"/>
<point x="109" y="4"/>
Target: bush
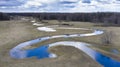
<point x="108" y="37"/>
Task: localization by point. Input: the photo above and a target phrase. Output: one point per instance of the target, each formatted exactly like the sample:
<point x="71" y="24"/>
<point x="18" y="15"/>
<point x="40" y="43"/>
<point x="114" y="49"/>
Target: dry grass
<point x="14" y="32"/>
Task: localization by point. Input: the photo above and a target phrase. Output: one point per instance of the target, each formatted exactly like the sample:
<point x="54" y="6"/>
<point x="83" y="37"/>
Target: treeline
<point x="112" y="18"/>
<point x="4" y="16"/>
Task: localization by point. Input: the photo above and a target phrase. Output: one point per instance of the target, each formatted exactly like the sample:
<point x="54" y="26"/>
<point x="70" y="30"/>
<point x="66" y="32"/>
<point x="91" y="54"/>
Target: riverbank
<point x="15" y="32"/>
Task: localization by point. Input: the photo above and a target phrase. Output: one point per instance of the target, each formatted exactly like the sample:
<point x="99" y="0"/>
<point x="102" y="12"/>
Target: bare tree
<point x="108" y="37"/>
<point x="40" y="18"/>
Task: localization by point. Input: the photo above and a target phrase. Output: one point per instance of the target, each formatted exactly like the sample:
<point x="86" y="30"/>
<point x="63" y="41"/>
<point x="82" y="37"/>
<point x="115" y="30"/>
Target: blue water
<point x="106" y="61"/>
<point x="114" y="51"/>
<point x="40" y="52"/>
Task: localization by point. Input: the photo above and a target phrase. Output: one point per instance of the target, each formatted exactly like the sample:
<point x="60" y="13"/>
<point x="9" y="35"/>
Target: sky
<point x="60" y="6"/>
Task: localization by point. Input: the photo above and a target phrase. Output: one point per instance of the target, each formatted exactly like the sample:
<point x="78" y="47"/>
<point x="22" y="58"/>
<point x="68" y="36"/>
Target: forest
<point x="4" y="16"/>
<point x="99" y="17"/>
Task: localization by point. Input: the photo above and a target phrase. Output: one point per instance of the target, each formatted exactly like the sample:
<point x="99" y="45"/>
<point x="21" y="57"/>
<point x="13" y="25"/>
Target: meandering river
<point x="42" y="51"/>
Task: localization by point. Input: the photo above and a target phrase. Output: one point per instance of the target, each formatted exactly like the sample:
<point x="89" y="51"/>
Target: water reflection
<point x="106" y="61"/>
<point x="114" y="51"/>
<point x="42" y="52"/>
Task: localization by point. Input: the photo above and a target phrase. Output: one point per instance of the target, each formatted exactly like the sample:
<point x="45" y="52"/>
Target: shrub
<point x="108" y="37"/>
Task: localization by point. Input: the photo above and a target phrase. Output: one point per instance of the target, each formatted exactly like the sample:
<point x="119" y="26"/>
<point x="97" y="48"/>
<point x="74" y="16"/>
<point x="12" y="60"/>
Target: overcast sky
<point x="59" y="5"/>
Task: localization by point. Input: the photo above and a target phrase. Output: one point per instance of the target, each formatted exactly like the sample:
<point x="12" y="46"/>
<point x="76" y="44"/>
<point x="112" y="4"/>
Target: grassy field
<point x="14" y="32"/>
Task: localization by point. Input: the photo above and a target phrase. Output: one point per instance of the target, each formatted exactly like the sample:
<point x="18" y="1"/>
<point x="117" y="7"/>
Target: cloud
<point x="60" y="5"/>
<point x="10" y="3"/>
<point x="30" y="4"/>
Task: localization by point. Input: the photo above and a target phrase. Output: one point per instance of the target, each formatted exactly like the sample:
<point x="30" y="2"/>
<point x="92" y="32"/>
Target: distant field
<point x="14" y="32"/>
